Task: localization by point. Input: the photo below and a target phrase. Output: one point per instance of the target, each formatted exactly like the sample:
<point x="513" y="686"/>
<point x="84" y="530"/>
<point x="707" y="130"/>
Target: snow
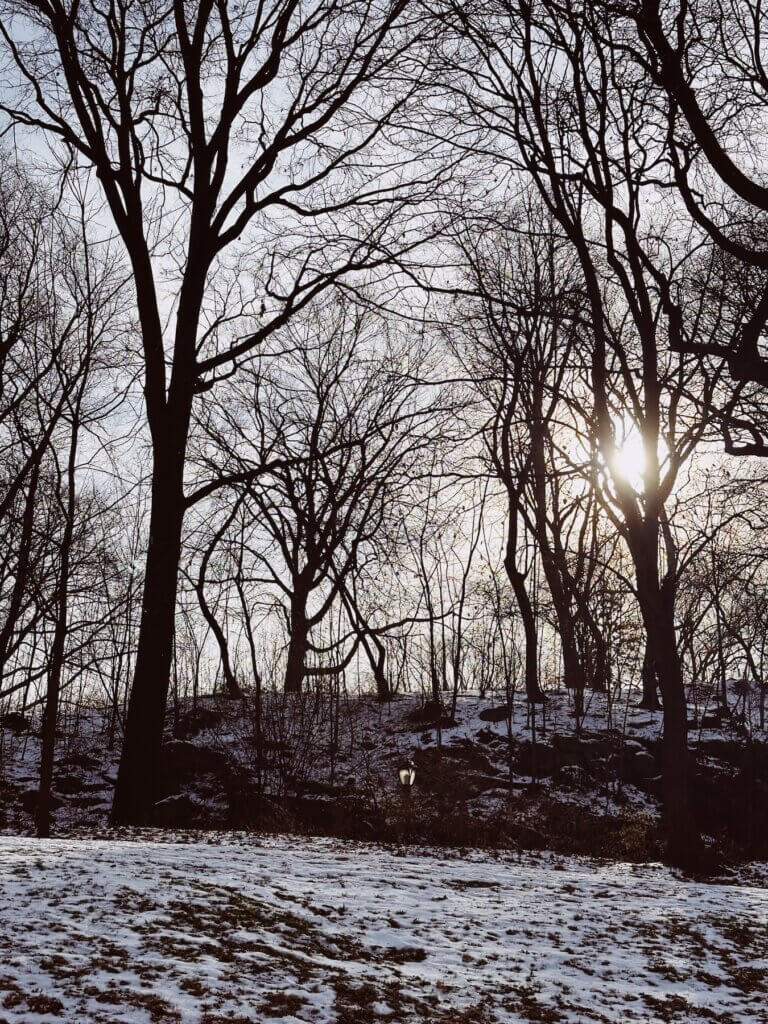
<point x="252" y="929"/>
<point x="349" y="760"/>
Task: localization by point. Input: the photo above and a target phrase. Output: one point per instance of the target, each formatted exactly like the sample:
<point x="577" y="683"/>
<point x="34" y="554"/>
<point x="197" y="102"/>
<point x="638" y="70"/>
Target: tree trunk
<point x="531" y="672"/>
<point x="650" y="699"/>
<point x="58" y="646"/>
<point x="553" y="558"/>
<point x="601" y="677"/>
<point x="684" y="846"/>
<point x="721" y="667"/>
<point x="517" y="580"/>
<point x="138" y="775"/>
<point x="230" y="682"/>
<point x="375" y="650"/>
<point x="573" y="669"/>
<point x="298" y="644"/>
<point x="377" y="654"/>
<point x="21" y="576"/>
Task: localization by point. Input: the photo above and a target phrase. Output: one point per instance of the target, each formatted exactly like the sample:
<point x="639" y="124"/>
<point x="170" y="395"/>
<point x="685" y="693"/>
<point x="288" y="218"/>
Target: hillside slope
<point x="291" y="930"/>
<point x="491" y="775"/>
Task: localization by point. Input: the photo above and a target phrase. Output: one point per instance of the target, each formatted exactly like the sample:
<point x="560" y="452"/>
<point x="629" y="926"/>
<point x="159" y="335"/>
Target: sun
<point x="629" y="460"/>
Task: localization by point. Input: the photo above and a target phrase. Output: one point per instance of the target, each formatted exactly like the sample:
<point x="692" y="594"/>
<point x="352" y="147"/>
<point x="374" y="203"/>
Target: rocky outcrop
<point x="182" y="761"/>
<point x="15" y="722"/>
<point x="196" y="720"/>
<point x="431" y="715"/>
<point x="179" y="811"/>
<point x="497" y="714"/>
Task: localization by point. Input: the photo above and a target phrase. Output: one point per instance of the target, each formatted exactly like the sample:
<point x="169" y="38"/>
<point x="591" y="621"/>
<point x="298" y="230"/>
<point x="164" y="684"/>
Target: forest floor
<point x="490" y="776"/>
<point x="217" y="929"/>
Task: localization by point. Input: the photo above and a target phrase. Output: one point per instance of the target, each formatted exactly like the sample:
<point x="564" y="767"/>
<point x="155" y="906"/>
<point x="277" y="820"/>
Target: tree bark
<point x="601" y="674"/>
<point x="231" y="683"/>
<point x="375" y="650"/>
<point x="552" y="560"/>
<point x="650" y="699"/>
<point x="573" y="669"/>
<point x="298" y="644"/>
<point x="58" y="647"/>
<point x="377" y="654"/>
<point x="684" y="846"/>
<point x="139" y="772"/>
<point x="531" y="673"/>
<point x="21" y="576"/>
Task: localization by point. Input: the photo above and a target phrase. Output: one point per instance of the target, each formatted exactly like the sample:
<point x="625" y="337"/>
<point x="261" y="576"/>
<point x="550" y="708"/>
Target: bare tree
<point x="35" y="332"/>
<point x="562" y="108"/>
<point x="338" y="416"/>
<point x="516" y="340"/>
<point x="201" y="586"/>
<point x="89" y="292"/>
<point x="201" y="123"/>
<point x="708" y="62"/>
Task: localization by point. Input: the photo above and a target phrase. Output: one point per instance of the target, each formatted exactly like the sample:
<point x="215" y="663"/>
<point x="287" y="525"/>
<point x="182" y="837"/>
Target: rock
<point x="730" y="751"/>
<point x="619" y="763"/>
<point x="183" y="762"/>
<point x="712" y="720"/>
<point x="178" y="811"/>
<point x="540" y="756"/>
<point x="750" y="757"/>
<point x="428" y="712"/>
<point x="88" y="801"/>
<point x="78" y="760"/>
<point x="570" y="776"/>
<point x="497" y="714"/>
<point x="185" y="757"/>
<point x="15" y="722"/>
<point x="643" y="766"/>
<point x="471" y="756"/>
<point x="732" y="809"/>
<point x="196" y="720"/>
<point x="431" y="714"/>
<point x="444" y="723"/>
<point x="756" y="760"/>
<point x="68" y="784"/>
<point x="633" y="747"/>
<point x="323" y="815"/>
<point x="424" y="759"/>
<point x="581" y="749"/>
<point x="633" y="766"/>
<point x="482" y="783"/>
<point x="29" y="801"/>
<point x="487" y="735"/>
<point x="313" y="787"/>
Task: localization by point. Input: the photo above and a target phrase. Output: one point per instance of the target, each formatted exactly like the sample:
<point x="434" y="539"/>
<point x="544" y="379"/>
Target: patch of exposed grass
<point x="278" y="1004"/>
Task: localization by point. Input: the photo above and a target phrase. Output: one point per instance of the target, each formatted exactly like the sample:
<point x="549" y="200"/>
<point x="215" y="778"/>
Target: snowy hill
<point x="294" y="930"/>
<point x="489" y="775"/>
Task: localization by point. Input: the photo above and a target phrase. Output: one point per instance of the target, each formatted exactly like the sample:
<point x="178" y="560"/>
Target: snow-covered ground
<point x="259" y="929"/>
<point x="368" y="741"/>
